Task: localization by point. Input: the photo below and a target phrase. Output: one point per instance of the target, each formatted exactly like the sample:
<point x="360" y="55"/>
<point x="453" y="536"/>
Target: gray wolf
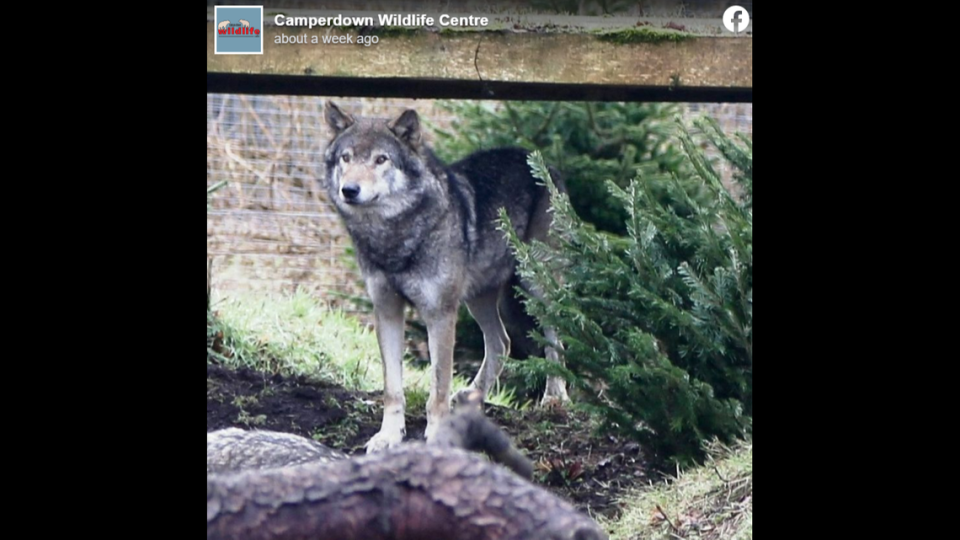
<point x="426" y="234"/>
<point x="234" y="450"/>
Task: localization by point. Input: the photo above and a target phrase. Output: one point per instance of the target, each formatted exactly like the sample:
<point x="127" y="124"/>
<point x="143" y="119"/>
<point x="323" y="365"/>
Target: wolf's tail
<point x="517" y="322"/>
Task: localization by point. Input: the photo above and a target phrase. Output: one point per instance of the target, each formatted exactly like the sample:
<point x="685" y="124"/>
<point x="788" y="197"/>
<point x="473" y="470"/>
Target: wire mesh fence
<point x="271" y="228"/>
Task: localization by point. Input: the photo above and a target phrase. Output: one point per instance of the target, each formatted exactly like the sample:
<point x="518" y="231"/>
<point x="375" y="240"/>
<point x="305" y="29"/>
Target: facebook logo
<point x="736" y="19"/>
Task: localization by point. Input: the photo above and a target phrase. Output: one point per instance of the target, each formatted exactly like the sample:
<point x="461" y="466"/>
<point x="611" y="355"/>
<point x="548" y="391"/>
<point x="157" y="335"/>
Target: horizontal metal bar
<point x="402" y="87"/>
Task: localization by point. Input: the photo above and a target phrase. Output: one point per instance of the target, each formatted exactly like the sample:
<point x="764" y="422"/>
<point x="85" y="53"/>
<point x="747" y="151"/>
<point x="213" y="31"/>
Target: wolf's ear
<point x="407" y="128"/>
<point x="337" y="119"/>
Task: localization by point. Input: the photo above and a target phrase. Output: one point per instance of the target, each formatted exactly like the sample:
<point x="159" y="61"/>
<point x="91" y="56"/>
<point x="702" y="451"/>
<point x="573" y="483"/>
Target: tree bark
<point x="414" y="491"/>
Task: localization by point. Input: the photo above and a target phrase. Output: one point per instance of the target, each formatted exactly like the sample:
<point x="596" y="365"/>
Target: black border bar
<point x="403" y="87"/>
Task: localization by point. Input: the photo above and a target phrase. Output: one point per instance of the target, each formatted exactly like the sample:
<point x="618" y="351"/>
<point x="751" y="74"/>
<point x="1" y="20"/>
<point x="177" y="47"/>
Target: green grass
<point x="294" y="334"/>
<point x="711" y="502"/>
<point x="641" y="35"/>
<point x="506" y="396"/>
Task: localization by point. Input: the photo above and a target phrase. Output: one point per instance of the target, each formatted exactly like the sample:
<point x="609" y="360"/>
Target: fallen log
<point x="290" y="487"/>
<point x="413" y="491"/>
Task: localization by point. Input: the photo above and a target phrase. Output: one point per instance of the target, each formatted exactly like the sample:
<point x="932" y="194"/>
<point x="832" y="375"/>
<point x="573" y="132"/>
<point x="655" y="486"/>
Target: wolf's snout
<point x="350" y="192"/>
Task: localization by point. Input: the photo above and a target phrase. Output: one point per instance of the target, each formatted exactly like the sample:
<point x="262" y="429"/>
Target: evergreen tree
<point x="658" y="324"/>
<point x="588" y="143"/>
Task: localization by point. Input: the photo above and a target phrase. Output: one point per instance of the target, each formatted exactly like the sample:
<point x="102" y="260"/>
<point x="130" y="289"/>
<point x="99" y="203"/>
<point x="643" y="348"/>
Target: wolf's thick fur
<point x="426" y="234"/>
<point x="233" y="450"/>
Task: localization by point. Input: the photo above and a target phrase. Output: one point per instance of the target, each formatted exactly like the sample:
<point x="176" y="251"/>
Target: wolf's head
<point x="374" y="164"/>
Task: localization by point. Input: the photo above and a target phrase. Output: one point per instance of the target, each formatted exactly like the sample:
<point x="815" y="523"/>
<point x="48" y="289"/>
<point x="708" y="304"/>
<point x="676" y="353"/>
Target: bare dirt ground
<point x="589" y="469"/>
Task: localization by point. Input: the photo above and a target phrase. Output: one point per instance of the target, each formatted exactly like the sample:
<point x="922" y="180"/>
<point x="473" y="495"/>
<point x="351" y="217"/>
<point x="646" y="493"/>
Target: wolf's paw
<point x="431" y="431"/>
<point x="383" y="440"/>
<point x="555" y="394"/>
<point x="554" y="402"/>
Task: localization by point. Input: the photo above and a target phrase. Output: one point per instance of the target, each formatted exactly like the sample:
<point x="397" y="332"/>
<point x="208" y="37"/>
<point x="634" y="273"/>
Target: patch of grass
<point x="242" y="401"/>
<point x="416" y="398"/>
<point x="507" y="397"/>
<point x="251" y="421"/>
<point x="642" y="35"/>
<point x="463" y="30"/>
<point x="544" y="428"/>
<point x="559" y="471"/>
<point x="710" y="502"/>
<point x="395" y="31"/>
<point x="294" y="335"/>
<point x="331" y="401"/>
<point x="244" y="416"/>
<point x="417" y="390"/>
<point x="337" y="435"/>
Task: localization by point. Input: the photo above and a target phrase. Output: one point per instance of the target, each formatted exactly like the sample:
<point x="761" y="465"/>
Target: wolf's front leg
<point x="441" y="335"/>
<point x="388" y="314"/>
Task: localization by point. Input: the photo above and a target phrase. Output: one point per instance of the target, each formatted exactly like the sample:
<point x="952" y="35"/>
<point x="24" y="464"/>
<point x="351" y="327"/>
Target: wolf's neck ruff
<point x="397" y="252"/>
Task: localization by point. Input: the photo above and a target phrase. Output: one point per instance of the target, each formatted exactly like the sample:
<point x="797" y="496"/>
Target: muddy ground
<point x="588" y="469"/>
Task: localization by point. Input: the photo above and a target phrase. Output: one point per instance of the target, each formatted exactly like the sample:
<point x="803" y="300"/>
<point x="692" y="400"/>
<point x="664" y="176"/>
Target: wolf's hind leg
<point x="556" y="387"/>
<point x="496" y="342"/>
<point x="556" y="390"/>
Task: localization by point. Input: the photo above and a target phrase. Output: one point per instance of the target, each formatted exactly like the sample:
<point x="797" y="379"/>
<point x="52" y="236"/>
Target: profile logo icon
<point x="238" y="30"/>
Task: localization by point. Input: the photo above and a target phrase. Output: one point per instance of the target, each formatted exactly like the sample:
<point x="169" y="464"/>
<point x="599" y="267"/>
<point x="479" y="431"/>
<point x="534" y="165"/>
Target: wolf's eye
<point x="381" y="160"/>
<point x="345" y="158"/>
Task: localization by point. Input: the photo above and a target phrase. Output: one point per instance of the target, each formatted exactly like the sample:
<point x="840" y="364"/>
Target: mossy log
<point x="628" y="56"/>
